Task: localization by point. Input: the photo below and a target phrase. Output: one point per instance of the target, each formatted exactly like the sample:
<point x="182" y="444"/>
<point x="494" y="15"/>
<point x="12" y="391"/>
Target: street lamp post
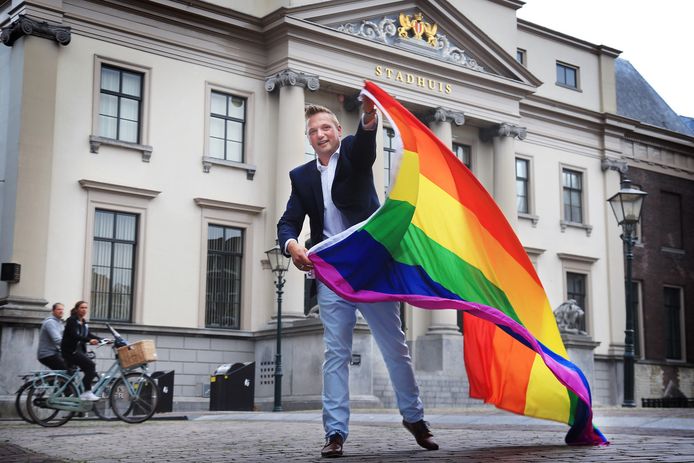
<point x="279" y="264"/>
<point x="626" y="205"/>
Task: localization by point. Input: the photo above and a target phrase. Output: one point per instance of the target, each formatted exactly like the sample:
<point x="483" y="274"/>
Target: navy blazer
<point x="353" y="190"/>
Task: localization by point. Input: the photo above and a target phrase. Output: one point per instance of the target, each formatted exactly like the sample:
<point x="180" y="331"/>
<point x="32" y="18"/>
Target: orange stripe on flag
<point x="502" y="384"/>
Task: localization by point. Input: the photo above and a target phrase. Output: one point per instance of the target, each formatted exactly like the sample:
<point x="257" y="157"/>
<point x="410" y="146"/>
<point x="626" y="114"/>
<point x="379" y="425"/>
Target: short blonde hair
<point x="313" y="109"/>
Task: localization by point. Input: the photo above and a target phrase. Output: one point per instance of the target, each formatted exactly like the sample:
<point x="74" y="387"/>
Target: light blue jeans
<point x="339" y="317"/>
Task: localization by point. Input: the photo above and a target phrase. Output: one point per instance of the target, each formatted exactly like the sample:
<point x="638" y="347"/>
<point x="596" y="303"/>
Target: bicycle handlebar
<point x="117" y="338"/>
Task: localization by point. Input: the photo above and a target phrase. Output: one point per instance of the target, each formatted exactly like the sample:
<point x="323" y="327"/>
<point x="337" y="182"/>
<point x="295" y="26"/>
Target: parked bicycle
<point x="52" y="396"/>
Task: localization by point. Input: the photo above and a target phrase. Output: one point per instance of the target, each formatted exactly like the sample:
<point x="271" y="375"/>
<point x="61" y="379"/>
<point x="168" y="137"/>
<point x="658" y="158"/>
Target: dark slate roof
<point x="636" y="99"/>
<point x="689" y="122"/>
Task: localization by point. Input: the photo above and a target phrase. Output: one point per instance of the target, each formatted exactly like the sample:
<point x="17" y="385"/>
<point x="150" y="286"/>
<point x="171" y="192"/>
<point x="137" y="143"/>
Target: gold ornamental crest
<point x="418" y="27"/>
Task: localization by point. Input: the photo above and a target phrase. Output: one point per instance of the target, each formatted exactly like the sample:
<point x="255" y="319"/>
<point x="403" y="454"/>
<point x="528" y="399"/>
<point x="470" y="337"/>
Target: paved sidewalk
<point x="470" y="435"/>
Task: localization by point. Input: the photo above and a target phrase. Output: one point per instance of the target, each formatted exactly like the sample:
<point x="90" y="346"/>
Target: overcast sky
<point x="655" y="36"/>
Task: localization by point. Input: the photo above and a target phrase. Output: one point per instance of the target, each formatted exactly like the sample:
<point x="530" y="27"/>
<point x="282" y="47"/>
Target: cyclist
<point x="74" y="347"/>
<point x="50" y="337"/>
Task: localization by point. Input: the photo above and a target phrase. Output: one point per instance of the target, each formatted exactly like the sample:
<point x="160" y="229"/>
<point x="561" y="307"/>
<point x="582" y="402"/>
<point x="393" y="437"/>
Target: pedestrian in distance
<point x="336" y="191"/>
<point x="74" y="347"/>
<point x="50" y="337"/>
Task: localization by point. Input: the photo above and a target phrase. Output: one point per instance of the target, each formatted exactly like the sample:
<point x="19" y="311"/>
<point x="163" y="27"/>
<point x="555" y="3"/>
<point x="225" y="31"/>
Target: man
<point x="50" y="337"/>
<point x="337" y="191"/>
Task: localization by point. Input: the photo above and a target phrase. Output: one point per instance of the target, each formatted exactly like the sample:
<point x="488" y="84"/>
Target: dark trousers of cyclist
<point x="86" y="365"/>
<point x="54" y="362"/>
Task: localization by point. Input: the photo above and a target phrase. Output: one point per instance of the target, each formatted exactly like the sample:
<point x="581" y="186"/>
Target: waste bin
<point x="165" y="381"/>
<point x="232" y="387"/>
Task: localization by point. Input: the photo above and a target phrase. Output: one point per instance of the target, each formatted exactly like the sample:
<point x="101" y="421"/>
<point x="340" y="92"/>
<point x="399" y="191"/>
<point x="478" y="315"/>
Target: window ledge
<point x="207" y="163"/>
<point x="568" y="87"/>
<point x="534" y="218"/>
<point x="216" y="204"/>
<point x="564" y="225"/>
<point x="96" y="142"/>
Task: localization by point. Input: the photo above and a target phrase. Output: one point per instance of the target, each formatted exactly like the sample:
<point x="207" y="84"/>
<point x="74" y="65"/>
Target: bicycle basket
<point x="137" y="353"/>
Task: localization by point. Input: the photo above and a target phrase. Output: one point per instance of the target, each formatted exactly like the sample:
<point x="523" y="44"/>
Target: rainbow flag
<point x="439" y="241"/>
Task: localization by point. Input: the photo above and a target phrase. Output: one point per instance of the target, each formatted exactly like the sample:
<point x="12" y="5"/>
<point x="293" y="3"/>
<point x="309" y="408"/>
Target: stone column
<point x="503" y="138"/>
<point x="29" y="62"/>
<point x="31" y="86"/>
<point x="289" y="154"/>
<point x="440" y="122"/>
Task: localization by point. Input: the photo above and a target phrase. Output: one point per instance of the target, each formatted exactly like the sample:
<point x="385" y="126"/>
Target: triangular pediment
<point x="411" y="31"/>
<point x="433" y="30"/>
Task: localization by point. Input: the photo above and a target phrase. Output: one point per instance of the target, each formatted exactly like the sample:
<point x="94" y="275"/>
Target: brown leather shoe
<point x="333" y="446"/>
<point x="422" y="434"/>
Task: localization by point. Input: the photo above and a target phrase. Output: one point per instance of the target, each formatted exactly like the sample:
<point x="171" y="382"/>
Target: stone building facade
<point x="145" y="148"/>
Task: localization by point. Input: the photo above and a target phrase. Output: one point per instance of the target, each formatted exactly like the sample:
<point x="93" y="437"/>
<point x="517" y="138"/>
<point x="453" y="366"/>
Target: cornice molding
<point x="576" y="257"/>
<point x="503" y="130"/>
<point x="93" y="185"/>
<point x="25" y="25"/>
<point x="545" y="32"/>
<point x="534" y="251"/>
<point x="513" y="4"/>
<point x="225" y="205"/>
<point x="289" y="77"/>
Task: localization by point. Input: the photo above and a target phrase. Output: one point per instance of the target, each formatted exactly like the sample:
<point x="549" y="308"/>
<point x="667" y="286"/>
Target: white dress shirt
<point x="333" y="220"/>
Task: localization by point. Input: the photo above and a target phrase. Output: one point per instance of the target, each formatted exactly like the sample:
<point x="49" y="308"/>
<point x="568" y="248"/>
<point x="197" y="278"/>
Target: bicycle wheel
<point x="49" y="386"/>
<point x="20" y="402"/>
<point x="102" y="407"/>
<point x="134" y="397"/>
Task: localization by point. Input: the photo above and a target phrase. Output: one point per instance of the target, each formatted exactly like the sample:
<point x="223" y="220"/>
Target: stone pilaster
<point x="289" y="154"/>
<point x="31" y="83"/>
<point x="503" y="138"/>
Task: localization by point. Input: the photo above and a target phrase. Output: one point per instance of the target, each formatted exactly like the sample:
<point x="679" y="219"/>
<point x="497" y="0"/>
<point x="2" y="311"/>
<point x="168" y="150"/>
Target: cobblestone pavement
<point x="376" y="436"/>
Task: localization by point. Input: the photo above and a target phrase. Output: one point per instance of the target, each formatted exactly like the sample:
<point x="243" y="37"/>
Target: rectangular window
<point x="573" y="195"/>
<point x="672" y="301"/>
<point x="671" y="220"/>
<point x="576" y="290"/>
<point x="113" y="265"/>
<point x="567" y="76"/>
<point x="464" y="153"/>
<point x="388" y="153"/>
<point x="223" y="280"/>
<point x="120" y="104"/>
<point x="520" y="55"/>
<point x="227" y="126"/>
<point x="522" y="181"/>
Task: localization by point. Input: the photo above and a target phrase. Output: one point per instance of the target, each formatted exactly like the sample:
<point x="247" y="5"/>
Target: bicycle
<point x="29" y="379"/>
<point x="21" y="396"/>
<point x="53" y="396"/>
